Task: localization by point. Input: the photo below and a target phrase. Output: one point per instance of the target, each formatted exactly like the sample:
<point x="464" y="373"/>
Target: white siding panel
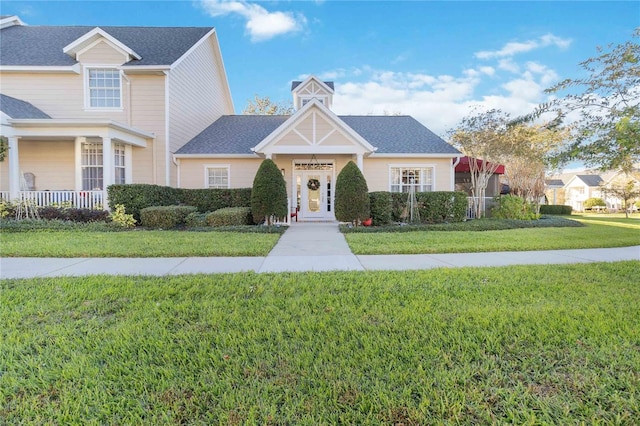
<point x="197" y="94"/>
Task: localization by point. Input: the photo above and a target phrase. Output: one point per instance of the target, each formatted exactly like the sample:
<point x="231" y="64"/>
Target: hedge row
<point x="73" y="214"/>
<point x="136" y="197"/>
<point x="230" y="216"/>
<point x="433" y="207"/>
<point x="555" y="209"/>
<point x="165" y="217"/>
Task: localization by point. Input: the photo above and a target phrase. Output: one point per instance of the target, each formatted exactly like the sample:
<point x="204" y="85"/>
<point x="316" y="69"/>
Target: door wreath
<point x="313" y="184"/>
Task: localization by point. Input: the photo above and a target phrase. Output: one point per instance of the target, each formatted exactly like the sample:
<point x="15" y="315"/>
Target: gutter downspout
<point x="167" y="139"/>
<point x="129" y="102"/>
<point x="453" y="173"/>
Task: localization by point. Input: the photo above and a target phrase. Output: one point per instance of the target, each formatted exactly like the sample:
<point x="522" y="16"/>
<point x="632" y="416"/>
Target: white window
<point x="217" y="177"/>
<point x="103" y="88"/>
<point x="403" y="178"/>
<point x="119" y="167"/>
<point x="91" y="163"/>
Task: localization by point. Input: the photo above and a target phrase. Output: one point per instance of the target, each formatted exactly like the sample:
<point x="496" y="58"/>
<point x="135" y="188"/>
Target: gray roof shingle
<point x="590" y="180"/>
<point x="237" y="134"/>
<point x="16" y="108"/>
<point x="295" y="84"/>
<point x="42" y="45"/>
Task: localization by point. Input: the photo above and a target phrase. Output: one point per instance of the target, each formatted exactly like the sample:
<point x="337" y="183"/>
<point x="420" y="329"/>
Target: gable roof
<point x="24" y="45"/>
<point x="237" y="134"/>
<point x="590" y="180"/>
<point x="16" y="108"/>
<point x="295" y="84"/>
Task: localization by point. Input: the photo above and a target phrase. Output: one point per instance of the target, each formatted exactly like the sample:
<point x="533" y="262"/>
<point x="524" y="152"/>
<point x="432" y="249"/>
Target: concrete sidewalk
<point x="303" y="247"/>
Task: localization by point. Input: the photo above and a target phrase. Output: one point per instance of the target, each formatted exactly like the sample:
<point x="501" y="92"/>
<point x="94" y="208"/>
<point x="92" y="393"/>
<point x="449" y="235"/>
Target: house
<point x="581" y="187"/>
<point x="87" y="107"/>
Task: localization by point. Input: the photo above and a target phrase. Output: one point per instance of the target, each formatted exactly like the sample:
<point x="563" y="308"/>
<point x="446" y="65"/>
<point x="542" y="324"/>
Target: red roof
<point x="463" y="166"/>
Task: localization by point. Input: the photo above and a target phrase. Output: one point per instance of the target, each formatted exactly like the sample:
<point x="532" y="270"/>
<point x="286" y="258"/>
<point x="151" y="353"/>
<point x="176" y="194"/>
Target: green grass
<point x="523" y="345"/>
<point x="615" y="232"/>
<point x="135" y="244"/>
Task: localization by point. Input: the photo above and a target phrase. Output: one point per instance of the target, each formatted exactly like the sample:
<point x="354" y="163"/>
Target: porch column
<point x="107" y="170"/>
<point x="14" y="169"/>
<point x="360" y="161"/>
<point x="78" y="160"/>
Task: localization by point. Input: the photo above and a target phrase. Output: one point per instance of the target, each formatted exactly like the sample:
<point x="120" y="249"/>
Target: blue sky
<point x="432" y="60"/>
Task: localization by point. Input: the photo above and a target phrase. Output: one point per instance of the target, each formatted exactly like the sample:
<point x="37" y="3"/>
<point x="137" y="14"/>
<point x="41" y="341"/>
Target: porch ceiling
<point x="47" y="129"/>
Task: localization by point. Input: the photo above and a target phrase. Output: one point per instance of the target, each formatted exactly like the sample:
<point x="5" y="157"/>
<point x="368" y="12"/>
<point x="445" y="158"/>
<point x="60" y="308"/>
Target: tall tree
<point x="482" y="137"/>
<point x="604" y="106"/>
<point x="265" y="106"/>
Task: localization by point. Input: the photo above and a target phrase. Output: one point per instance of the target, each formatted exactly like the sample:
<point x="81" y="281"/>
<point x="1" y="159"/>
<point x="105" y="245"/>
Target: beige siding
<point x="197" y="94"/>
<point x="52" y="163"/>
<point x="148" y="113"/>
<point x="102" y="53"/>
<point x="376" y="171"/>
<point x="59" y="95"/>
<point x="242" y="171"/>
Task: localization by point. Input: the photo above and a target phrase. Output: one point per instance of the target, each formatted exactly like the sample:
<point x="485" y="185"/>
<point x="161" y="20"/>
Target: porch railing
<point x="75" y="199"/>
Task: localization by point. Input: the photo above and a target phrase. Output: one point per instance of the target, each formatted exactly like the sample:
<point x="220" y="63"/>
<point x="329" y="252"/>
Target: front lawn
<point x="614" y="232"/>
<point x="79" y="243"/>
<point x="523" y="345"/>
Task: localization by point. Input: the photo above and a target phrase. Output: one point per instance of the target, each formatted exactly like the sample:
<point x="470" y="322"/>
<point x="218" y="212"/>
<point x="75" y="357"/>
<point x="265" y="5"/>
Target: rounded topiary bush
<point x="352" y="195"/>
<point x="229" y="216"/>
<point x="269" y="193"/>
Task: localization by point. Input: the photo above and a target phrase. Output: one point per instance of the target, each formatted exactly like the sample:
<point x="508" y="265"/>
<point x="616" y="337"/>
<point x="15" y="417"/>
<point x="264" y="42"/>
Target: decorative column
<point x="14" y="169"/>
<point x="107" y="170"/>
<point x="360" y="162"/>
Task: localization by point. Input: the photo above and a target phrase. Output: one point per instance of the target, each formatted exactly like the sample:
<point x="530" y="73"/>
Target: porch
<point x="76" y="199"/>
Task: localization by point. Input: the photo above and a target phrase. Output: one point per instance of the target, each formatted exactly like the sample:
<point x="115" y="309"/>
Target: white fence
<point x="76" y="199"/>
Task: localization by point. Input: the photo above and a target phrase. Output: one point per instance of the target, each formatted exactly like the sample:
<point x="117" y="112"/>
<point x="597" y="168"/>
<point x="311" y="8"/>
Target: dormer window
<point x="103" y="88"/>
<point x="307" y="100"/>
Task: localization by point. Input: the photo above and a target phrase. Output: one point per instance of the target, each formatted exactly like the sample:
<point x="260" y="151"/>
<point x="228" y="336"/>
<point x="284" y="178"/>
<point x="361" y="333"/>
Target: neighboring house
<point x="581" y="187"/>
<point x="87" y="107"/>
<point x="554" y="191"/>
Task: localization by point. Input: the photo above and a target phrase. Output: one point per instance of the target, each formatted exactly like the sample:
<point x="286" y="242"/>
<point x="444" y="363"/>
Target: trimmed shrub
<point x="196" y="220"/>
<point x="165" y="217"/>
<point x="513" y="207"/>
<point x="135" y="197"/>
<point x="442" y="206"/>
<point x="352" y="195"/>
<point x="555" y="209"/>
<point x="230" y="216"/>
<point x="209" y="200"/>
<point x="269" y="193"/>
<point x="590" y="203"/>
<point x="380" y="204"/>
<point x="73" y="214"/>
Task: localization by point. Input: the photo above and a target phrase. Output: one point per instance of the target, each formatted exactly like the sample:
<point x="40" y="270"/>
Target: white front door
<point x="316" y="195"/>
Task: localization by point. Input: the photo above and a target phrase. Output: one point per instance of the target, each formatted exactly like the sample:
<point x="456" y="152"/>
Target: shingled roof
<point x="237" y="134"/>
<point x="295" y="84"/>
<point x="16" y="108"/>
<point x="590" y="180"/>
<point x="25" y="45"/>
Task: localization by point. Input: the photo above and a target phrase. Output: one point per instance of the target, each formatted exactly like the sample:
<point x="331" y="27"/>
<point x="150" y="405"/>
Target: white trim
<point x="128" y="164"/>
<point x="196" y="156"/>
<point x="87" y="89"/>
<point x="10" y="21"/>
<point x="417" y="156"/>
<point x="77" y="45"/>
<point x="75" y="69"/>
<point x="300" y="115"/>
<point x="317" y="80"/>
<point x="131" y="68"/>
<point x="414" y="166"/>
<point x="207" y="167"/>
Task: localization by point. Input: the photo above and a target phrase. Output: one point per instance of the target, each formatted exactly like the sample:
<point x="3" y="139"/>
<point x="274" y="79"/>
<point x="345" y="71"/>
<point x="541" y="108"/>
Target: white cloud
<point x="512" y="48"/>
<point x="261" y="24"/>
<point x="508" y="65"/>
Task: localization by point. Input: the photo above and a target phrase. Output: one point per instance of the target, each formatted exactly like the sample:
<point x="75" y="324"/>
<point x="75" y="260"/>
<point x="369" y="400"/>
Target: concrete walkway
<point x="303" y="247"/>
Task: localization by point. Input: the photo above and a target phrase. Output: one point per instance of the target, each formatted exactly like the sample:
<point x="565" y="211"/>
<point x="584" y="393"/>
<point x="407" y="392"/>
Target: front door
<point x="316" y="195"/>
